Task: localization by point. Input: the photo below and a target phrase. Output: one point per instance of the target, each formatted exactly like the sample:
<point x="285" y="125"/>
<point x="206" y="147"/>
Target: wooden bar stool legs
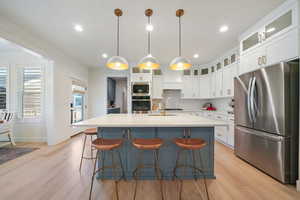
<point x="89" y="132"/>
<point x="107" y="146"/>
<point x="148" y="145"/>
<point x="191" y="145"/>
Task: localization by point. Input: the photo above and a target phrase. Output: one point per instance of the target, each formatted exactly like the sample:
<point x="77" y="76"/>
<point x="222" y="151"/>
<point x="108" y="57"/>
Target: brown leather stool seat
<point x="91" y="131"/>
<point x="106" y="144"/>
<point x="190" y="143"/>
<point x="147" y="144"/>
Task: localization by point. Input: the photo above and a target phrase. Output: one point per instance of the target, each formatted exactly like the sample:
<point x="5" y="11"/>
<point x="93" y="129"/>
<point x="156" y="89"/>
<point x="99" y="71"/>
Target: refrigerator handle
<point x="252" y="102"/>
<point x="249" y="99"/>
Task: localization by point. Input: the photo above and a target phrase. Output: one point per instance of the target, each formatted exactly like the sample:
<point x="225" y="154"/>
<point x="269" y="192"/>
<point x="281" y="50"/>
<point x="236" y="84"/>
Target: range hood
<point x="172" y="86"/>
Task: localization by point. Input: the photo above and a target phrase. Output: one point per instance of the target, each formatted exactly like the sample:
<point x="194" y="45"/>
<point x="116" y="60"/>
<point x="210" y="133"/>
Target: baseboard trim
<point x="30" y="139"/>
<point x="298" y="185"/>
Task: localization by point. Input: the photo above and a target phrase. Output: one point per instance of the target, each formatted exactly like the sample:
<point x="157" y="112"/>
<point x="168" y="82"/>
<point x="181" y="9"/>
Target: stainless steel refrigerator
<point x="266" y="119"/>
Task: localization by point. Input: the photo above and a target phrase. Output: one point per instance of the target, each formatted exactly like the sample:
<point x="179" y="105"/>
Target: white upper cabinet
<point x="219" y="80"/>
<point x="213" y="81"/>
<point x="157" y="84"/>
<point x="273" y="39"/>
<point x="138" y="75"/>
<point x="191" y="84"/>
<point x="204" y="83"/>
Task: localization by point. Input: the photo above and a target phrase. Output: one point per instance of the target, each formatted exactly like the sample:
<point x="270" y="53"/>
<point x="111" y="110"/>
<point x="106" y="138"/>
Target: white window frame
<point x="7" y="65"/>
<point x="20" y="82"/>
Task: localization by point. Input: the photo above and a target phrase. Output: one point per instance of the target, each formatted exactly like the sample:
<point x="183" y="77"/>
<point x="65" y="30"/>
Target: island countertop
<point x="149" y="120"/>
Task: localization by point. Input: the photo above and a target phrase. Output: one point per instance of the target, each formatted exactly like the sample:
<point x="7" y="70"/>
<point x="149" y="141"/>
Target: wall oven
<point x="140" y="89"/>
<point x="141" y="104"/>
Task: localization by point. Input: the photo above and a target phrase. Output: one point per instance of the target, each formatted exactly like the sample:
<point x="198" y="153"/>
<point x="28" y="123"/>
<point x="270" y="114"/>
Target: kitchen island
<point x="166" y="127"/>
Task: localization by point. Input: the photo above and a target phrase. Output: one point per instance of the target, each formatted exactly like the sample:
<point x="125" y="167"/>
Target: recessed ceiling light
<point x="78" y="28"/>
<point x="223" y="29"/>
<point x="149" y="27"/>
<point x="104" y="55"/>
<point x="196" y="55"/>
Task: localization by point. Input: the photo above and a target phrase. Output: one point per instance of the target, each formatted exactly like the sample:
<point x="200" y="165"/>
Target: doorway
<point x="117" y="94"/>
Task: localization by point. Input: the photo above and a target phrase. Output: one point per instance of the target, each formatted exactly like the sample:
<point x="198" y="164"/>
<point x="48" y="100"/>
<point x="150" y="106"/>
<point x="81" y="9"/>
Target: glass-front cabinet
<point x="251" y="41"/>
<point x="279" y="24"/>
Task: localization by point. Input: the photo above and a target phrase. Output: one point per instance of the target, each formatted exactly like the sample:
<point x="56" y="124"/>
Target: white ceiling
<point x="53" y="20"/>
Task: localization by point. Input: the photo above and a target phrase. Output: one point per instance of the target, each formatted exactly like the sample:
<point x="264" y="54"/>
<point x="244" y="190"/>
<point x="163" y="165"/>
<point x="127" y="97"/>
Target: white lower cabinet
<point x="221" y="133"/>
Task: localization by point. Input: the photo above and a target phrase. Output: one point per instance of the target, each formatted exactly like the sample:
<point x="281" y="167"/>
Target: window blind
<point x="32" y="87"/>
<point x="3" y="86"/>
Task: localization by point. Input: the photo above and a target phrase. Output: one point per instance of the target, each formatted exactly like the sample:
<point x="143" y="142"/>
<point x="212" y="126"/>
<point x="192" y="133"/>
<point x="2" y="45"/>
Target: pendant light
<point x="149" y="62"/>
<point x="180" y="63"/>
<point x="117" y="62"/>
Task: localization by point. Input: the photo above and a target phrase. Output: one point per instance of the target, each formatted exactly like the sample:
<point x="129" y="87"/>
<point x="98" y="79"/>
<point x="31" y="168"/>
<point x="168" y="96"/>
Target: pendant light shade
<point x="180" y="63"/>
<point x="149" y="62"/>
<point x="117" y="62"/>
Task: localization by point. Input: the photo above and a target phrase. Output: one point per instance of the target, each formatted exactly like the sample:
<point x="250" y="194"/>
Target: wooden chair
<point x="6" y="127"/>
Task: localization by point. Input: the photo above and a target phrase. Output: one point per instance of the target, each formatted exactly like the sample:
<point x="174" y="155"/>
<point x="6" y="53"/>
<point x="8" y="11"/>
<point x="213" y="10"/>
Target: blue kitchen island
<point x="166" y="127"/>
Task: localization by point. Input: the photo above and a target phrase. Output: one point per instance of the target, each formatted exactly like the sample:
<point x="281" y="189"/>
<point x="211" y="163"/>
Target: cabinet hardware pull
<point x="259" y="60"/>
<point x="259" y="38"/>
<point x="264" y="60"/>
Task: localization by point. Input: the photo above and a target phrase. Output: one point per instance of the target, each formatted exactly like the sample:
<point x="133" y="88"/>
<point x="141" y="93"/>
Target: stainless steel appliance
<point x="267" y="119"/>
<point x="141" y="104"/>
<point x="141" y="89"/>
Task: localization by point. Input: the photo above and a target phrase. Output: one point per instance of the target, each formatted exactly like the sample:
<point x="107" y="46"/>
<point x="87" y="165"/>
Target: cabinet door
<point x="250" y="41"/>
<point x="213" y="84"/>
<point x="204" y="87"/>
<point x="187" y="91"/>
<point x="219" y="83"/>
<point x="252" y="60"/>
<point x="284" y="47"/>
<point x="195" y="87"/>
<point x="230" y="138"/>
<point x="157" y="87"/>
<point x="280" y="24"/>
<point x="229" y="73"/>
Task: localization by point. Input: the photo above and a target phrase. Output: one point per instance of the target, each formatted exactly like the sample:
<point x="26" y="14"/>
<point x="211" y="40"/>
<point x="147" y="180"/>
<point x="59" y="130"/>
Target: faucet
<point x="163" y="106"/>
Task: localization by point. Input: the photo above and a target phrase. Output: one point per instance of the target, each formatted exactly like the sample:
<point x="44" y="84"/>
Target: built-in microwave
<point x="140" y="89"/>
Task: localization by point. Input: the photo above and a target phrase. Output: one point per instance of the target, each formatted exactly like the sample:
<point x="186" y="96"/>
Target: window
<point x="31" y="98"/>
<point x="3" y="88"/>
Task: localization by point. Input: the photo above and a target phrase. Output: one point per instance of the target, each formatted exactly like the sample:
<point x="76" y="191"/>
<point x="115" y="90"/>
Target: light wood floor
<point x="52" y="173"/>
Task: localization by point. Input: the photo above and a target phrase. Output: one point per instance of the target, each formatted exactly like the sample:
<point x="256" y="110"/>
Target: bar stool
<point x="107" y="145"/>
<point x="154" y="145"/>
<point x="192" y="145"/>
<point x="88" y="132"/>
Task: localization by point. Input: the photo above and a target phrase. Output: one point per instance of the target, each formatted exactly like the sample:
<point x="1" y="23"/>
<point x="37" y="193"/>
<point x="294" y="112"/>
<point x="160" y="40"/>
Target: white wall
<point x="98" y="89"/>
<point x="121" y="88"/>
<point x="31" y="130"/>
<point x="58" y="95"/>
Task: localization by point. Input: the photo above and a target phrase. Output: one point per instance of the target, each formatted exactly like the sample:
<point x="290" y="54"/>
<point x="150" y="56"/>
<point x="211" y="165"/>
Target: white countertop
<point x="144" y="120"/>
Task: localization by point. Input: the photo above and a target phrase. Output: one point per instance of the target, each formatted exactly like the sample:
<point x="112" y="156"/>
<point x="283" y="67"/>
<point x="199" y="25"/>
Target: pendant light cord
<point x="179" y="36"/>
<point x="118" y="35"/>
<point x="149" y="38"/>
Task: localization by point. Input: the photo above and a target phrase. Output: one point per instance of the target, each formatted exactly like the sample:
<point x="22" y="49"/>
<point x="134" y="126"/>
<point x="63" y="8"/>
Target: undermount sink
<point x="161" y="114"/>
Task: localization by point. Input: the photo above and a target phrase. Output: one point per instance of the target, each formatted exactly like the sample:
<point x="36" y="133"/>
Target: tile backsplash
<point x="173" y="100"/>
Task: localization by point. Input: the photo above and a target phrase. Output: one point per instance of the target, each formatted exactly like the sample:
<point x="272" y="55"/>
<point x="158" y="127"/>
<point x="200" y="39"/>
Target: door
<point x="267" y="152"/>
<point x="242" y="108"/>
<point x="268" y="94"/>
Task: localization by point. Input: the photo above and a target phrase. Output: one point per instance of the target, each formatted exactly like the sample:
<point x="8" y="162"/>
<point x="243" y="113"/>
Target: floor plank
<point x="51" y="173"/>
